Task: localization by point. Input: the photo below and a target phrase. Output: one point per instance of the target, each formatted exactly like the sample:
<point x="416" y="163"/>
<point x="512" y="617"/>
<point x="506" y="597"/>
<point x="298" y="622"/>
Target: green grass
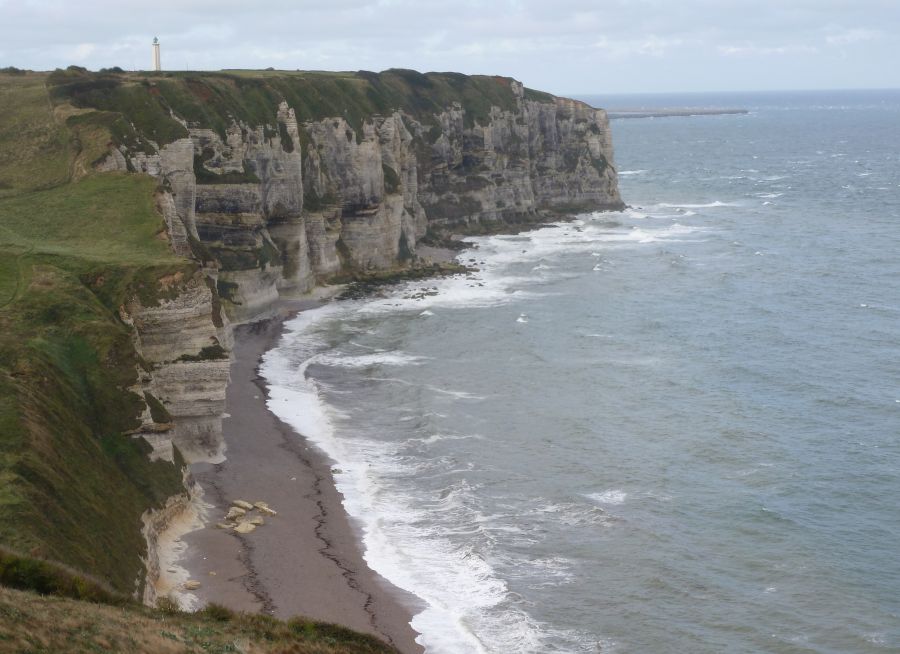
<point x="35" y="148"/>
<point x="47" y="607"/>
<point x="110" y="218"/>
<point x="75" y="484"/>
<point x="53" y="622"/>
<point x="74" y="246"/>
<point x="215" y="99"/>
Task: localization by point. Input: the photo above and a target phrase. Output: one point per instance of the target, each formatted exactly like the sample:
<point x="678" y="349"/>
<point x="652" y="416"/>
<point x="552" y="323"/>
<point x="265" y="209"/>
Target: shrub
<point x="209" y="353"/>
<point x="48" y="578"/>
<point x="218" y="612"/>
<point x="157" y="410"/>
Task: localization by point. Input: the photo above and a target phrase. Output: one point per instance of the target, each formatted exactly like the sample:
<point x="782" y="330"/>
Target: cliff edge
<point x="143" y="214"/>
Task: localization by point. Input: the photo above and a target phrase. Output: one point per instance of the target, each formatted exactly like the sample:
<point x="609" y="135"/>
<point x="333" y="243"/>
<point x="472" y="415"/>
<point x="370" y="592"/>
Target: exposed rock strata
<point x="283" y="206"/>
<point x="163" y="529"/>
<point x="272" y="210"/>
<point x="280" y="207"/>
<point x="186" y="353"/>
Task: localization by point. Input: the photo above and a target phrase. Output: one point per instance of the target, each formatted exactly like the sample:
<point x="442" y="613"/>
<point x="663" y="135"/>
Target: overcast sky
<point x="561" y="46"/>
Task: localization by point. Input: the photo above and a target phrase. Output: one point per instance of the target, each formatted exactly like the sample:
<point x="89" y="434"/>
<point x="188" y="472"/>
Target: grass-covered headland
<point x="75" y="244"/>
<point x="216" y="99"/>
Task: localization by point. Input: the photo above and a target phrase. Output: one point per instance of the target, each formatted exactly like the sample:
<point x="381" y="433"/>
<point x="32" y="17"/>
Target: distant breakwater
<point x="665" y="113"/>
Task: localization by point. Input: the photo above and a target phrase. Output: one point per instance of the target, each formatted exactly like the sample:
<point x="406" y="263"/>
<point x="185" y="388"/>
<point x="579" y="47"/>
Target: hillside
<point x="74" y="245"/>
<point x="141" y="215"/>
<point x="75" y="614"/>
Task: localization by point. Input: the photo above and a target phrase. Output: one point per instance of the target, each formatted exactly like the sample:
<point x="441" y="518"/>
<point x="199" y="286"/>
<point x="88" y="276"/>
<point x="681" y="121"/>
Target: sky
<point x="561" y="46"/>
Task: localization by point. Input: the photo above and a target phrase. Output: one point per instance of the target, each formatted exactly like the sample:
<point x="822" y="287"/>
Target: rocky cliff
<point x="278" y="182"/>
<point x="268" y="184"/>
<point x="280" y="197"/>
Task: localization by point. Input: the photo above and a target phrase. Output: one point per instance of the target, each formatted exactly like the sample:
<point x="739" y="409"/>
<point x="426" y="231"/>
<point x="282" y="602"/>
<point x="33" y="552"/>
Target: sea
<point x="674" y="428"/>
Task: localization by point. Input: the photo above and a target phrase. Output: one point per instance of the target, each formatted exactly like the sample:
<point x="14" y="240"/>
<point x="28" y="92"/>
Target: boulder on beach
<point x="235" y="512"/>
<point x="191" y="585"/>
<point x="243" y="505"/>
<point x="245" y="528"/>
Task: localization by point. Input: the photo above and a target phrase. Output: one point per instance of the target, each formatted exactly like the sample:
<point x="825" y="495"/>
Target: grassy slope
<point x="64" y="610"/>
<point x="36" y="150"/>
<point x="71" y="251"/>
<point x="36" y="625"/>
<point x="73" y="246"/>
<point x="212" y="99"/>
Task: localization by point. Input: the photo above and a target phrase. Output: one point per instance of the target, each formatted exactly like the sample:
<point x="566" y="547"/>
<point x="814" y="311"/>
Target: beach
<point x="306" y="560"/>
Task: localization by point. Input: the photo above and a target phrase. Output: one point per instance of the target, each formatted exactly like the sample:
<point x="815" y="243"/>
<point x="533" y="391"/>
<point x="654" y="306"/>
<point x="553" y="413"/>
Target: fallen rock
<point x="257" y="520"/>
<point x="261" y="505"/>
<point x="267" y="510"/>
<point x="191" y="585"/>
<point x="243" y="505"/>
<point x="245" y="528"/>
<point x="222" y="525"/>
<point x="235" y="512"/>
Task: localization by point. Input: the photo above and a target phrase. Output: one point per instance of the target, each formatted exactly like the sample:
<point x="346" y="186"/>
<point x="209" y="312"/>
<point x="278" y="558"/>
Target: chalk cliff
<point x="280" y="196"/>
<point x="272" y="183"/>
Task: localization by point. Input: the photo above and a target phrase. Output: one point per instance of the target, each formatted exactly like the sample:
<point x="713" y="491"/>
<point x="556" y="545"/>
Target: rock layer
<point x="273" y="209"/>
<point x="275" y="196"/>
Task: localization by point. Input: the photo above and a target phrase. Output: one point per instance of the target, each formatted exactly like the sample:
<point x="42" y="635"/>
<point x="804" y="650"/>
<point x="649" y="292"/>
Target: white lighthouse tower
<point x="156" y="65"/>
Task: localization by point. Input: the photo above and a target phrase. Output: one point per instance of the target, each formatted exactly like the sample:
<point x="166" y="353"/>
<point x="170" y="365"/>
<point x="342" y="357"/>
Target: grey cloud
<point x="563" y="46"/>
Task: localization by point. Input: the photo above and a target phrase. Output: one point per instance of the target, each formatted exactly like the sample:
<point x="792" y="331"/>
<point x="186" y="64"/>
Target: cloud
<point x="560" y="46"/>
<point x="850" y="37"/>
<point x="648" y="46"/>
<point x="751" y="50"/>
<point x="82" y="51"/>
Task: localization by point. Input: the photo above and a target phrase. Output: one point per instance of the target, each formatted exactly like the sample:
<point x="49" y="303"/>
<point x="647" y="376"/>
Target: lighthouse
<point x="156" y="65"/>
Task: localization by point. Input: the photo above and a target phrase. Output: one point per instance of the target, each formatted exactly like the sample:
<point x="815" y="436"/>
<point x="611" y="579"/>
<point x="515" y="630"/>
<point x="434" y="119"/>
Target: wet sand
<point x="306" y="560"/>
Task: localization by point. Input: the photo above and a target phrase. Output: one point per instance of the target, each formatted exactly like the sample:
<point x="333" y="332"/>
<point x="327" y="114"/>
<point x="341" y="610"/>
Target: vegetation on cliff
<point x="77" y="244"/>
<point x="67" y="612"/>
<point x="215" y="100"/>
<point x="74" y="245"/>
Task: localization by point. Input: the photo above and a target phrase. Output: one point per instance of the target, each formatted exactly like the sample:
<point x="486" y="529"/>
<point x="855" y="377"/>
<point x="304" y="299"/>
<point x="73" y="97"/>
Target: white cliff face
<point x="283" y="206"/>
<point x="272" y="210"/>
<point x="187" y="364"/>
<point x="275" y="209"/>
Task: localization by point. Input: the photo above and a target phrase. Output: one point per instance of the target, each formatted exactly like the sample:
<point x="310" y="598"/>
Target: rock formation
<point x="274" y="207"/>
<point x="274" y="184"/>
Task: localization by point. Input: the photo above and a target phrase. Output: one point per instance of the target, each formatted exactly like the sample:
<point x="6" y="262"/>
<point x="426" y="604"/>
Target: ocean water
<point x="674" y="428"/>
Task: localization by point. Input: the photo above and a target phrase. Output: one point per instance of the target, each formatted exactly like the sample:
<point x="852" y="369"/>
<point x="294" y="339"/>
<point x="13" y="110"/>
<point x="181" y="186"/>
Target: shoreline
<point x="306" y="560"/>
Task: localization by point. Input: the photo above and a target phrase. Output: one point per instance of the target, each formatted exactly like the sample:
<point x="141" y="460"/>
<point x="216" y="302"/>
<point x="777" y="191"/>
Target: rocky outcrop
<point x="273" y="184"/>
<point x="184" y="342"/>
<point x="272" y="209"/>
<point x="282" y="206"/>
<point x="162" y="531"/>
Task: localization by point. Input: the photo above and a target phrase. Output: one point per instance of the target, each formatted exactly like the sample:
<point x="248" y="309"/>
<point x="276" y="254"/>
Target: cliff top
<point x="214" y="99"/>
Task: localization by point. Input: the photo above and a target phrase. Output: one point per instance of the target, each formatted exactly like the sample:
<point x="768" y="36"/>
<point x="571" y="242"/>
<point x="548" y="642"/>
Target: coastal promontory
<point x="143" y="215"/>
